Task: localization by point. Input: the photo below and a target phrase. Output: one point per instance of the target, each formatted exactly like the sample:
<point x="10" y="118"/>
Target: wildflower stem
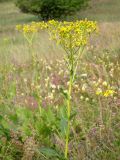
<point x="101" y="119"/>
<point x="71" y="70"/>
<point x="77" y="60"/>
<point x="68" y="116"/>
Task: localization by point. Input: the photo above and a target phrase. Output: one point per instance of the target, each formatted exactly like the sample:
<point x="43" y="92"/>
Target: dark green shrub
<point x="49" y="9"/>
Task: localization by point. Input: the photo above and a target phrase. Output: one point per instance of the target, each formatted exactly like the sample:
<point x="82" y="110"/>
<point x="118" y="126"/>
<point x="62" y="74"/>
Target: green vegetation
<point x="37" y="89"/>
<point x="52" y="8"/>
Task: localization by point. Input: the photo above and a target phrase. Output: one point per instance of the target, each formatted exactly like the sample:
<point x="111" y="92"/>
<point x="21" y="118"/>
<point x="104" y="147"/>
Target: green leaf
<point x="14" y="118"/>
<point x="64" y="93"/>
<point x="24" y="114"/>
<point x="63" y="126"/>
<point x="50" y="116"/>
<point x="63" y="112"/>
<point x="63" y="120"/>
<point x="49" y="152"/>
<point x="4" y="131"/>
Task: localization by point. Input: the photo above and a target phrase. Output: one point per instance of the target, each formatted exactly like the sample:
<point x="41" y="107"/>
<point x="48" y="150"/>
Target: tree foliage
<point x="49" y="9"/>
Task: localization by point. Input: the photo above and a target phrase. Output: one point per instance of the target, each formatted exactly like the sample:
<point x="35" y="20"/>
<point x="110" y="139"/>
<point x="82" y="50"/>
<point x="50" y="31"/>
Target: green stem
<point x="101" y="118"/>
<point x="77" y="61"/>
<point x="71" y="70"/>
<point x="68" y="116"/>
<point x="30" y="37"/>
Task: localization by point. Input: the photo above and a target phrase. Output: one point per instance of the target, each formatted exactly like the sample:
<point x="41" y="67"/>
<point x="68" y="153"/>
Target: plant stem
<point x="71" y="71"/>
<point x="68" y="115"/>
<point x="101" y="118"/>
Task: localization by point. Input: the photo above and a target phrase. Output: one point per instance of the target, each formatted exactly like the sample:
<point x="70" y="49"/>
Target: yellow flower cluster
<point x="71" y="34"/>
<point x="105" y="90"/>
<point x="106" y="93"/>
<point x="32" y="28"/>
<point x="26" y="28"/>
<point x="68" y="34"/>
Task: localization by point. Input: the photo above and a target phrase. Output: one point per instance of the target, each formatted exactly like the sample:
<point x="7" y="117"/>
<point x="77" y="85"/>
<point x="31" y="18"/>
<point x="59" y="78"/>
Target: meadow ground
<point x="34" y="92"/>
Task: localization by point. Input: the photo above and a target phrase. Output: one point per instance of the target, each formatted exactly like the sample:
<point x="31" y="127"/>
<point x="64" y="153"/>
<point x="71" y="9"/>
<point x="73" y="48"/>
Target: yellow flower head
<point x="108" y="93"/>
<point x="19" y="27"/>
<point x="67" y="34"/>
<point x="71" y="34"/>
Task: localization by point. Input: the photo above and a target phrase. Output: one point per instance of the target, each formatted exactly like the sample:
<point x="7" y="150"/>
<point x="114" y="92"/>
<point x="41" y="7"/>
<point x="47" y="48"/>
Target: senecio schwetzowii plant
<point x="73" y="37"/>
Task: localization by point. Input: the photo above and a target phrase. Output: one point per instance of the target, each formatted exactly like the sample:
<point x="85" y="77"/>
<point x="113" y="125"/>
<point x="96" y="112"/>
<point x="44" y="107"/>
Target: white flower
<point x="98" y="91"/>
<point x="87" y="99"/>
<point x="104" y="83"/>
<point x="38" y="87"/>
<point x="84" y="75"/>
<point x="25" y="80"/>
<point x="84" y="87"/>
<point x="81" y="97"/>
<point x="53" y="86"/>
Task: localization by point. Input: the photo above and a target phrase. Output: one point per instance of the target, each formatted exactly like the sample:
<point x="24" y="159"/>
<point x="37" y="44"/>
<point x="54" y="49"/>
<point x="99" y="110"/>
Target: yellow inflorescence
<point x="72" y="34"/>
<point x="105" y="93"/>
<point x="26" y="28"/>
<point x="68" y="34"/>
<point x="108" y="93"/>
<point x="32" y="28"/>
